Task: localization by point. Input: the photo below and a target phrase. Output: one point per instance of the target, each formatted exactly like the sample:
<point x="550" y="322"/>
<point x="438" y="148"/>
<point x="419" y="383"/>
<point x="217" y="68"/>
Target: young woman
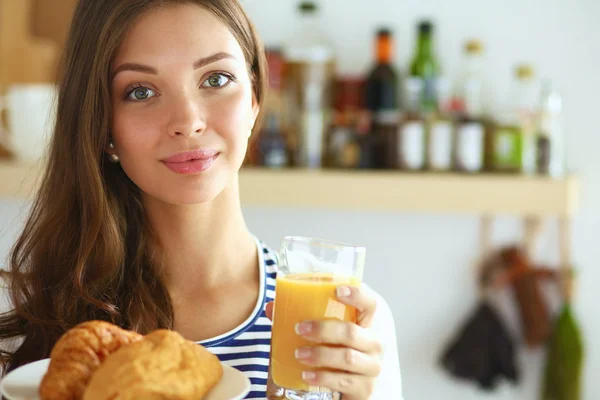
<point x="138" y="218"/>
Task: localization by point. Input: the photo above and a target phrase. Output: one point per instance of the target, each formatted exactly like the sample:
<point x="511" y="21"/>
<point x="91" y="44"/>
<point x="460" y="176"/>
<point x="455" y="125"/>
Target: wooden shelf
<point x="377" y="190"/>
<point x="427" y="193"/>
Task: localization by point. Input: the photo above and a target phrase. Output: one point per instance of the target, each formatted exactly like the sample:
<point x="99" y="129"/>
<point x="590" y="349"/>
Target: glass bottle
<point x="551" y="141"/>
<point x="424" y="66"/>
<point x="382" y="103"/>
<point x="470" y="87"/>
<point x="343" y="147"/>
<point x="470" y="131"/>
<point x="272" y="144"/>
<point x="411" y="133"/>
<point x="439" y="129"/>
<point x="513" y="140"/>
<point x="310" y="68"/>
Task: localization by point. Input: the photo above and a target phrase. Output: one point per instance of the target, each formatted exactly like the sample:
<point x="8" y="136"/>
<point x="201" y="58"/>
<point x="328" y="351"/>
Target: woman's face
<point x="183" y="105"/>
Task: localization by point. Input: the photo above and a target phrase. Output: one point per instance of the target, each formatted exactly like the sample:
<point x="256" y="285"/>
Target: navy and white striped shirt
<point x="248" y="346"/>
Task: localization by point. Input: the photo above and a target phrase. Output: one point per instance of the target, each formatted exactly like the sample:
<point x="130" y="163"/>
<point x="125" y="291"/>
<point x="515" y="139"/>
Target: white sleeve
<point x="389" y="382"/>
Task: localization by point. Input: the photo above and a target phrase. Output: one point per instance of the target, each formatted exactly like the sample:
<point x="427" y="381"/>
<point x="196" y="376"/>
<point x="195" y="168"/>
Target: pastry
<point x="76" y="356"/>
<point x="163" y="366"/>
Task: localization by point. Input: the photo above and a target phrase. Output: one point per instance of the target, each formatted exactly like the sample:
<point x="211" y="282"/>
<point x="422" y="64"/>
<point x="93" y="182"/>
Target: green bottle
<point x="513" y="141"/>
<point x="563" y="373"/>
<point x="424" y="66"/>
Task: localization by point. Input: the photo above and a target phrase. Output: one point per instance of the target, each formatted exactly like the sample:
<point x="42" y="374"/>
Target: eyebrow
<point x="153" y="71"/>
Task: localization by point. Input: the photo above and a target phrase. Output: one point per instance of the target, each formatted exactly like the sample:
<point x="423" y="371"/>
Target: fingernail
<point x="303" y="353"/>
<point x="343" y="291"/>
<point x="309" y="376"/>
<point x="302" y="328"/>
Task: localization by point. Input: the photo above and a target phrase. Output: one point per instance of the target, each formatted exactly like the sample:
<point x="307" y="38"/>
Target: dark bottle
<point x="382" y="103"/>
<point x="343" y="147"/>
<point x="272" y="144"/>
<point x="271" y="148"/>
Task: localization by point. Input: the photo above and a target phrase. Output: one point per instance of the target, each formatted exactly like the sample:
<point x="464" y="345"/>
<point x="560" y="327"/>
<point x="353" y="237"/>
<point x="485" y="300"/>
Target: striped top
<point x="247" y="347"/>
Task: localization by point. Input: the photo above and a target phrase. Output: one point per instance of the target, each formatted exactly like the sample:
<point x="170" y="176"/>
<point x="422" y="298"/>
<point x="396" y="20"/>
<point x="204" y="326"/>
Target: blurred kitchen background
<point x="464" y="93"/>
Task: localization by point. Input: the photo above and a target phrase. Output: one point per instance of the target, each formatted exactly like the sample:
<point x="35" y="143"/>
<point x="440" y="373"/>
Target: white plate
<point x="23" y="383"/>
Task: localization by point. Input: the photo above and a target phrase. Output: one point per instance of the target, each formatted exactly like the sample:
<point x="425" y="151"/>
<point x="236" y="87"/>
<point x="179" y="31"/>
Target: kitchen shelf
<point x="376" y="190"/>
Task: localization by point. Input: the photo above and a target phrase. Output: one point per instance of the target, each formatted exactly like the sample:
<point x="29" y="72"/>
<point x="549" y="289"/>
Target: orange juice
<point x="302" y="297"/>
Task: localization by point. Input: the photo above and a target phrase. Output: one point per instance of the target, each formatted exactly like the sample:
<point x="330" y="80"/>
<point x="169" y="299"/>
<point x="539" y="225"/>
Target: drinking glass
<point x="309" y="272"/>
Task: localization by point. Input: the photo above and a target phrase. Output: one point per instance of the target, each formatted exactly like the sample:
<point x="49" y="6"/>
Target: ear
<point x="255" y="110"/>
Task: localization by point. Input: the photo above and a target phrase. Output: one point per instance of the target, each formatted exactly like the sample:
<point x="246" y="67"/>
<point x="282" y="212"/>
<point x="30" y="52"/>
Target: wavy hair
<point x="86" y="250"/>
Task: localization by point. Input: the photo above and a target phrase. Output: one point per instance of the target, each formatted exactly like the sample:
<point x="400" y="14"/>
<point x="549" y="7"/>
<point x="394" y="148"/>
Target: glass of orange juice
<point x="309" y="272"/>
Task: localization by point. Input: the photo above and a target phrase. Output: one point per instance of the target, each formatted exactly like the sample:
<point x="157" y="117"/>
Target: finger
<point x="340" y="333"/>
<point x="359" y="298"/>
<point x="340" y="358"/>
<point x="269" y="310"/>
<point x="352" y="386"/>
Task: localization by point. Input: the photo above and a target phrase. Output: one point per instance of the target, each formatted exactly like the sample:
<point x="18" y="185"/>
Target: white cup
<point x="31" y="116"/>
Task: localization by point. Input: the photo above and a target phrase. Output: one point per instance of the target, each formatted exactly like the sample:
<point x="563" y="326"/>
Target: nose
<point x="187" y="117"/>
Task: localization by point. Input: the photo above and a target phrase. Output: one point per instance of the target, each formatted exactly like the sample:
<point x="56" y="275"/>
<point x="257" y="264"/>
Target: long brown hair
<point x="86" y="249"/>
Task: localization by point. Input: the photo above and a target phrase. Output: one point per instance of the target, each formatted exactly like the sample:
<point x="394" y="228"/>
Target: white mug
<point x="31" y="116"/>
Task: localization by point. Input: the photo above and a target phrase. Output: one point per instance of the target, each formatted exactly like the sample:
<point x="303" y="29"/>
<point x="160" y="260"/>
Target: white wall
<point x="426" y="279"/>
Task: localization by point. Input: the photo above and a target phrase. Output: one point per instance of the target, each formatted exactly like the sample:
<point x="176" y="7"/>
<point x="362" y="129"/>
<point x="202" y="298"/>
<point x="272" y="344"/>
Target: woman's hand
<point x="350" y="350"/>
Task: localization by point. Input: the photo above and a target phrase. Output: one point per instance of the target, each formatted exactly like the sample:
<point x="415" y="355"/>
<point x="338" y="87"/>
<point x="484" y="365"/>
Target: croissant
<point x="163" y="366"/>
<point x="78" y="354"/>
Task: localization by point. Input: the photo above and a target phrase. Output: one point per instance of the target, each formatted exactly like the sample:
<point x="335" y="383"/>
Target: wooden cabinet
<point x="51" y="19"/>
<point x="32" y="35"/>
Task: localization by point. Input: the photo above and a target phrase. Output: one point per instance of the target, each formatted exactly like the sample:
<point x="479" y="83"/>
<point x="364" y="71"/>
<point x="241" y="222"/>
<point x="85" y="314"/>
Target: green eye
<point x="216" y="81"/>
<point x="140" y="93"/>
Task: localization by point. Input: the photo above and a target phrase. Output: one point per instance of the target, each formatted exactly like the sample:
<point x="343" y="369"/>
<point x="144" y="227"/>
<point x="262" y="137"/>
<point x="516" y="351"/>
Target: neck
<point x="425" y="46"/>
<point x="205" y="245"/>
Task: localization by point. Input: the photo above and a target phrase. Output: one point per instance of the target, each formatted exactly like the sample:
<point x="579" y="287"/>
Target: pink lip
<point x="203" y="154"/>
<point x="191" y="162"/>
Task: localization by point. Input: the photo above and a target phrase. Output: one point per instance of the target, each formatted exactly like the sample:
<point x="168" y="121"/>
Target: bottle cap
<point x="384" y="32"/>
<point x="524" y="71"/>
<point x="425" y="27"/>
<point x="384" y="45"/>
<point x="307" y="7"/>
<point x="474" y="46"/>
